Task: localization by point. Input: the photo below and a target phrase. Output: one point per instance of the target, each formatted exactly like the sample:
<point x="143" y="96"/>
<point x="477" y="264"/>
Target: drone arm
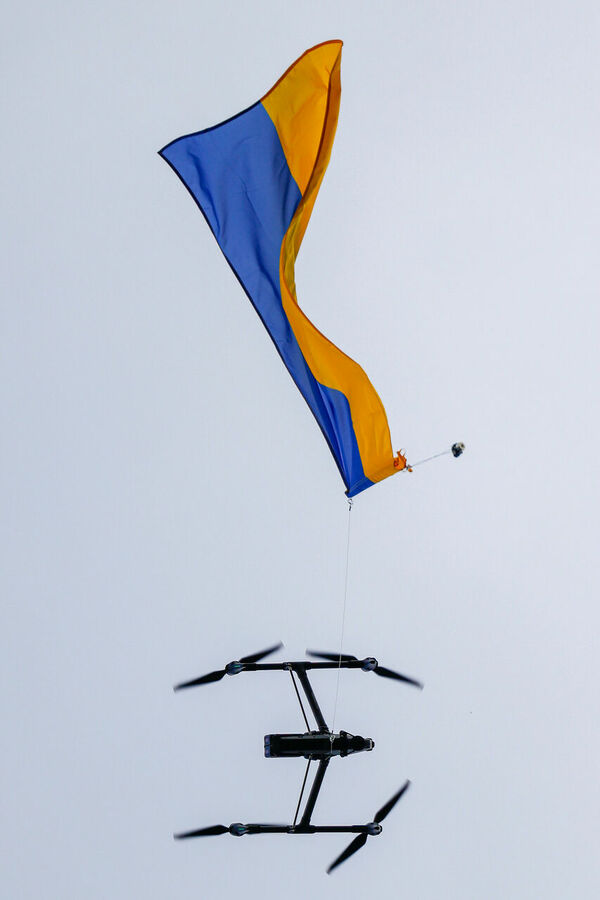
<point x="310" y="696"/>
<point x="314" y="792"/>
<point x="306" y="829"/>
<point x="301" y="664"/>
<point x="301" y="707"/>
<point x="238" y="829"/>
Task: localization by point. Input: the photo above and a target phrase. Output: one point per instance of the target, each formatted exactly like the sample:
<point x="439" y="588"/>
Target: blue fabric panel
<point x="347" y="448"/>
<point x="238" y="174"/>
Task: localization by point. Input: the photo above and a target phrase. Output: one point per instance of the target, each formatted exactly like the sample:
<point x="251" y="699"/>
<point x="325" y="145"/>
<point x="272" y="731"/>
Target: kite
<point x="255" y="178"/>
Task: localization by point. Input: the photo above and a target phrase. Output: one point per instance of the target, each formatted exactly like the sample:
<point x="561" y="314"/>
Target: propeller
<point x="374" y="828"/>
<point x="359" y="841"/>
<point x="334" y="657"/>
<point x="231" y="668"/>
<point x="202" y="832"/>
<point x="389" y="673"/>
<point x="369" y="665"/>
<point x="388" y="807"/>
<point x="237" y="829"/>
<point x="255" y="657"/>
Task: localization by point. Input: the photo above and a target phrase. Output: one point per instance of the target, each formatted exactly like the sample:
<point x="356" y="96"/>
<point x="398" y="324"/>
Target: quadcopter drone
<point x="320" y="745"/>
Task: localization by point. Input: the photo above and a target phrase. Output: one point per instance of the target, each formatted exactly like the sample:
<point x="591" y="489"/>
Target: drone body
<point x="315" y="745"/>
<point x="319" y="745"/>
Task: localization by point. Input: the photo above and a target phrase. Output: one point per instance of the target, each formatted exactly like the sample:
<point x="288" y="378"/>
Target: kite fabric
<point x="255" y="178"/>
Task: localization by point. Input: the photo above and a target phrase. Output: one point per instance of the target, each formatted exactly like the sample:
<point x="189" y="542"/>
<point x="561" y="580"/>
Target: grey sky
<point x="169" y="503"/>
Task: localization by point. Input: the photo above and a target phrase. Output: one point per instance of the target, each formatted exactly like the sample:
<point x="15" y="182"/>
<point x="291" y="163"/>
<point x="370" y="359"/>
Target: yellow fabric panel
<point x="304" y="107"/>
<point x="297" y="106"/>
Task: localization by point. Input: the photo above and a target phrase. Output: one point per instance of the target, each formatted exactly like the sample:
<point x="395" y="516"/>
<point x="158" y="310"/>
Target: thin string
<point x="429" y="458"/>
<point x="337" y="686"/>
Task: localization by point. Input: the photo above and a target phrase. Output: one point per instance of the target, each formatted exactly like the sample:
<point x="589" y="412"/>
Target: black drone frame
<point x="319" y="746"/>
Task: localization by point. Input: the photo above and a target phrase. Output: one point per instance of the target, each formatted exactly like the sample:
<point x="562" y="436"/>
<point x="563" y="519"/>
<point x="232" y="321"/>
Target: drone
<point x="319" y="745"/>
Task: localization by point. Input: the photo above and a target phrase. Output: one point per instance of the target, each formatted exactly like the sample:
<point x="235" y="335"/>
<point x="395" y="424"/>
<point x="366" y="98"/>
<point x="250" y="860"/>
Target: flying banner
<point x="255" y="177"/>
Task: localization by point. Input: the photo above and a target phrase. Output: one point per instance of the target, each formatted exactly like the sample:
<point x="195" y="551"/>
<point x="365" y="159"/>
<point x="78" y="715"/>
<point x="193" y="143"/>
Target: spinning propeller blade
<point x="220" y="673"/>
<point x="361" y="839"/>
<point x="204" y="679"/>
<point x="388" y="673"/>
<point x="202" y="832"/>
<point x="373" y="667"/>
<point x="388" y="807"/>
<point x="237" y="829"/>
<point x="254" y="657"/>
<point x="333" y="657"/>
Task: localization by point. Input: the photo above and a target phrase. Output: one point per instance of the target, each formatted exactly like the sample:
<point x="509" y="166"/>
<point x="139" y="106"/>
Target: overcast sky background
<point x="169" y="503"/>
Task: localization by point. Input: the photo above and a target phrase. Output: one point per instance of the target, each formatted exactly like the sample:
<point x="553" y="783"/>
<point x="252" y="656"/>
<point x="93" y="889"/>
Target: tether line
<point x="337" y="686"/>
